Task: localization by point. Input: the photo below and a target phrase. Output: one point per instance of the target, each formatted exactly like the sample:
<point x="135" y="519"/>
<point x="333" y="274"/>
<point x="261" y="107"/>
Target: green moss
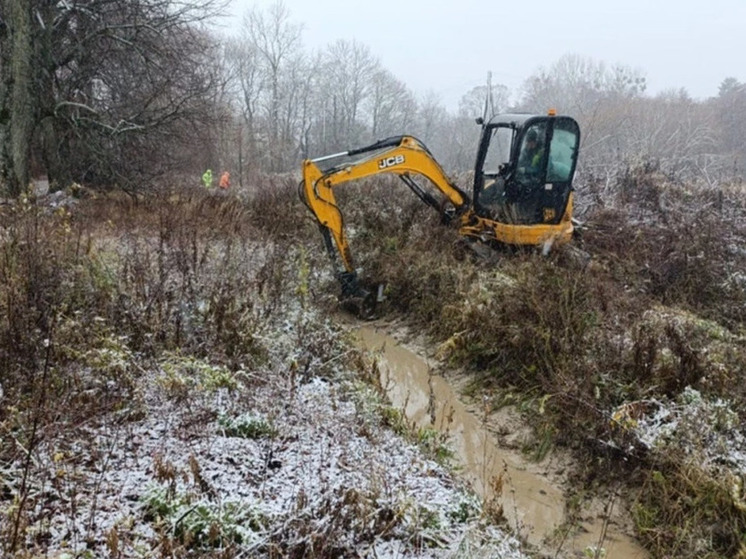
<point x="246" y="426"/>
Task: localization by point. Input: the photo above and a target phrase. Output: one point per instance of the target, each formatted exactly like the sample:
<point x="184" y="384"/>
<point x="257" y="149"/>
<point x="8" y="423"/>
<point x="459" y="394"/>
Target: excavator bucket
<point x="355" y="299"/>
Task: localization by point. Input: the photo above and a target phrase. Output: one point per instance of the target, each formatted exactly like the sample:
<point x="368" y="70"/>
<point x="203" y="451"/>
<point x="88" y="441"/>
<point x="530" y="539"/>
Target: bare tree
<point x="111" y="83"/>
<point x="227" y="114"/>
<point x="433" y="125"/>
<point x="17" y="107"/>
<point x="294" y="84"/>
<point x="495" y="98"/>
<point x="277" y="45"/>
<point x="245" y="73"/>
<point x="350" y="67"/>
<point x="309" y="97"/>
<point x="579" y="85"/>
<point x="391" y="105"/>
<point x="729" y="109"/>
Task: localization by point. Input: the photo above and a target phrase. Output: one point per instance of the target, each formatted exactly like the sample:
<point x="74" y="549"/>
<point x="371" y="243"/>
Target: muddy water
<point x="533" y="504"/>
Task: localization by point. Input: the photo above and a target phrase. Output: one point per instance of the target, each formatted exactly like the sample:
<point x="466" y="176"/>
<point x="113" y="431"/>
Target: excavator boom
<point x="404" y="156"/>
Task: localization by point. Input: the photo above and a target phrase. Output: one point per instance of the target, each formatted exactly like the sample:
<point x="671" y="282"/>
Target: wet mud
<point x="532" y="495"/>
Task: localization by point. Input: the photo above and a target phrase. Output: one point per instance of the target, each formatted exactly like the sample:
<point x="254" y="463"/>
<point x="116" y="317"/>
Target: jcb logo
<point x="391" y="161"/>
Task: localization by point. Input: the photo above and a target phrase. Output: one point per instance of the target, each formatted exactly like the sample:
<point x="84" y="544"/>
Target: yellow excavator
<point x="522" y="192"/>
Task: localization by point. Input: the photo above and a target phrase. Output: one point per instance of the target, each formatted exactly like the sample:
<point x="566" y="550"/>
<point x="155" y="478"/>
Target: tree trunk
<point x="46" y="137"/>
<point x="17" y="103"/>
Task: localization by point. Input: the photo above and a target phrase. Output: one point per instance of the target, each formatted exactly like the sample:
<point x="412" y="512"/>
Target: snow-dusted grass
<point x="327" y="479"/>
<point x="162" y="368"/>
<point x="169" y="390"/>
<point x="707" y="431"/>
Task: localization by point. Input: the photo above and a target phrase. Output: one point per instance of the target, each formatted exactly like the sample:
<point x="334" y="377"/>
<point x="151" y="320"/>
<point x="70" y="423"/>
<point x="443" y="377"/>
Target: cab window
<point x="531" y="156"/>
<point x="496" y="161"/>
<point x="498" y="152"/>
<point x="561" y="153"/>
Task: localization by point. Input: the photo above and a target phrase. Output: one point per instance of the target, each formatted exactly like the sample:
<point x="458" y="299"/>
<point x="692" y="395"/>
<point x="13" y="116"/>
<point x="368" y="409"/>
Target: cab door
<point x="554" y="192"/>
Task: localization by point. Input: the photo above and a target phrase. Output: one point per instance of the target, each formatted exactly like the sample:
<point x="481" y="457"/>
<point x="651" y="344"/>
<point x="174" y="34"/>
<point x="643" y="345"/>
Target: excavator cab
<point x="523" y="177"/>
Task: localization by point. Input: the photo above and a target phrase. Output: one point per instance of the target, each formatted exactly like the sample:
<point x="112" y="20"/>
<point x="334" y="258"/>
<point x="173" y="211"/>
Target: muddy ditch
<point x="487" y="454"/>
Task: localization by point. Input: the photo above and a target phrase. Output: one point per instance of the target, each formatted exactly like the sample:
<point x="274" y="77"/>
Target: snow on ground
<point x="708" y="430"/>
<point x="294" y="464"/>
<point x="702" y="431"/>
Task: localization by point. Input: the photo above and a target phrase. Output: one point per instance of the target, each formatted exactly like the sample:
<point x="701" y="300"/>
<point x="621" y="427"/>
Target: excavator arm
<point x="404" y="156"/>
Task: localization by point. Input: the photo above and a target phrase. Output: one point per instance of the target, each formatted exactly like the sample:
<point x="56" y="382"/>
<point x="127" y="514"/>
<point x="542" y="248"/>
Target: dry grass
<point x="93" y="294"/>
<point x="174" y="314"/>
<point x="660" y="306"/>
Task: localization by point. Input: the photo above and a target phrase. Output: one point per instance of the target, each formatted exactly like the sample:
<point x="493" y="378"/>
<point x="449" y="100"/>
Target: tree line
<point x="127" y="94"/>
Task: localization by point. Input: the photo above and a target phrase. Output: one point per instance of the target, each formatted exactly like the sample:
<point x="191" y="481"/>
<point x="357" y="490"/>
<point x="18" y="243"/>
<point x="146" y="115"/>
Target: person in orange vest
<point x="225" y="180"/>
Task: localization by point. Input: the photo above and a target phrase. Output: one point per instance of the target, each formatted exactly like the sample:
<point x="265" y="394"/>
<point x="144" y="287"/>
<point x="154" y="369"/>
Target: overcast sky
<point x="449" y="46"/>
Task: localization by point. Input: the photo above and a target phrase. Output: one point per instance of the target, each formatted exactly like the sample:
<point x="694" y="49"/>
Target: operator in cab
<point x="532" y="152"/>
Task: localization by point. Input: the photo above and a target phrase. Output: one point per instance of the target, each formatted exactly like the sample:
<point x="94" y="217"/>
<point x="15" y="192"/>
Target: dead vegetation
<point x="627" y="346"/>
<point x="169" y="390"/>
<point x="91" y="298"/>
<point x="647" y="307"/>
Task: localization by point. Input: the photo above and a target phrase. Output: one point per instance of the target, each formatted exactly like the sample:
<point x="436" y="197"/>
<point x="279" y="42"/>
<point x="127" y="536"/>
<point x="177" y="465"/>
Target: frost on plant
<point x="247" y="425"/>
<point x="705" y="431"/>
<point x="200" y="523"/>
